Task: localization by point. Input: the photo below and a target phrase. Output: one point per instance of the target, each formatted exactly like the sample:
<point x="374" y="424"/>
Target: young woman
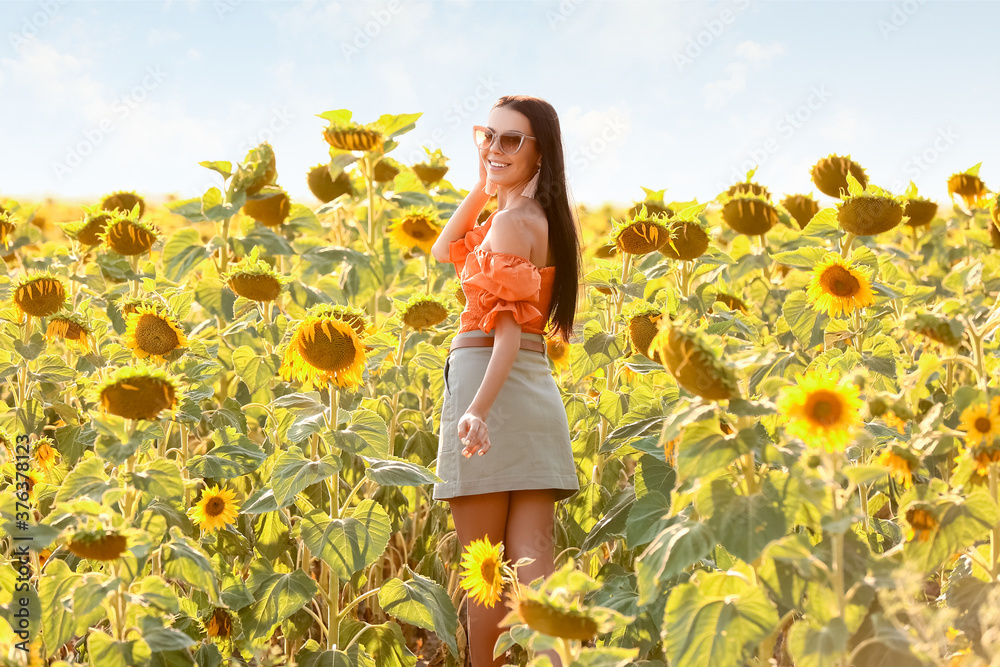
<point x="504" y="453"/>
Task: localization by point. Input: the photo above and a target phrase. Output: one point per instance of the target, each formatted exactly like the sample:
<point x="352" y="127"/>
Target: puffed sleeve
<point x="459" y="249"/>
<point x="507" y="282"/>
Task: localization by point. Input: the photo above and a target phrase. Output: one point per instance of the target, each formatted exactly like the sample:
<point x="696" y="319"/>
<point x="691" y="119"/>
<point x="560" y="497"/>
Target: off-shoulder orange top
<point x="497" y="281"/>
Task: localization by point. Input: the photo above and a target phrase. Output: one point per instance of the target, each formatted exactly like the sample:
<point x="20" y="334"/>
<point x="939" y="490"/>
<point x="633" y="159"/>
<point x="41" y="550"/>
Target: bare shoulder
<point x="526" y="218"/>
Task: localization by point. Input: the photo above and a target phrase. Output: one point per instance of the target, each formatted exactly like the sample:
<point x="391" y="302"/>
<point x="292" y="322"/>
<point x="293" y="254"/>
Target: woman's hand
<point x="474" y="434"/>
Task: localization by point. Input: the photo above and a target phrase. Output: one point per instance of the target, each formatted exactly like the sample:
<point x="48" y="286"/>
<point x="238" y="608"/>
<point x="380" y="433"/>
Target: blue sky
<point x="101" y="96"/>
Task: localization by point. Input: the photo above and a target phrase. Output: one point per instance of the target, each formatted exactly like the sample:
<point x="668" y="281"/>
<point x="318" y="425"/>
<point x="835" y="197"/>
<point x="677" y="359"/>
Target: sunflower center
<point x="256" y="287"/>
<point x="155" y="335"/>
<point x="138" y="397"/>
<point x="327" y="349"/>
<point x="215" y="506"/>
<point x="489" y="570"/>
<point x="418" y="229"/>
<point x="824" y="407"/>
<point x="40" y="298"/>
<point x="983" y="425"/>
<point x="838" y="281"/>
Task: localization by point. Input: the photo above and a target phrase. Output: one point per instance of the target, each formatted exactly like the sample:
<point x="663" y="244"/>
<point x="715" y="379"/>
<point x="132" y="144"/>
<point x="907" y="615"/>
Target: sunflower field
<point x="221" y="416"/>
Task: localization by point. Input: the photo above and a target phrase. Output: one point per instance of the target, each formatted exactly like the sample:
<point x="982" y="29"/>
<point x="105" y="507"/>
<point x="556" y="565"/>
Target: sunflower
<point x="670" y="451"/>
<point x="257" y="170"/>
<point x="686" y="240"/>
<point x="7" y="226"/>
<point x="416" y="228"/>
<point x="483" y="571"/>
<point x="39" y="295"/>
<point x="138" y="392"/>
<point x="801" y="207"/>
<point x="981" y="425"/>
<point x="434" y="169"/>
<point x="731" y="302"/>
<point x="945" y="331"/>
<point x="270" y="206"/>
<point x="216" y="508"/>
<point x="88" y="231"/>
<point x="693" y="364"/>
<point x="459" y="292"/>
<point x="922" y="522"/>
<point x="325" y="187"/>
<point x="837" y="286"/>
<point x="652" y="206"/>
<point x="127" y="235"/>
<point x="869" y="214"/>
<point x="557" y="351"/>
<point x="123" y="201"/>
<point x="821" y="412"/>
<point x="749" y="188"/>
<point x="643" y="325"/>
<point x="98" y="544"/>
<point x="969" y="187"/>
<point x="551" y="616"/>
<point x="127" y="305"/>
<point x="356" y="317"/>
<point x="982" y="457"/>
<point x="153" y="332"/>
<point x="749" y="214"/>
<point x="830" y="174"/>
<point x="894" y="422"/>
<point x="253" y="278"/>
<point x="901" y="463"/>
<point x="45" y="453"/>
<point x="32" y="478"/>
<point x="385" y="170"/>
<point x="920" y="211"/>
<point x="424" y="311"/>
<point x="70" y="327"/>
<point x="219" y="624"/>
<point x="324" y="349"/>
<point x="349" y="136"/>
<point x="640" y="234"/>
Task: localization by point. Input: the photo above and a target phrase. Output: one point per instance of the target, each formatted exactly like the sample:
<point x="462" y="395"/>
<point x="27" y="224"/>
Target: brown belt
<point x="487" y="341"/>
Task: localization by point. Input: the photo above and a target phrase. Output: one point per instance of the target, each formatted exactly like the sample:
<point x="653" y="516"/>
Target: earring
<point x="532" y="187"/>
<point x="490" y="188"/>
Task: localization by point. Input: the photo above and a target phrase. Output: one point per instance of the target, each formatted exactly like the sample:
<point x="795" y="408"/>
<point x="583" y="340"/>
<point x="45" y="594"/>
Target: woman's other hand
<point x="474" y="434"/>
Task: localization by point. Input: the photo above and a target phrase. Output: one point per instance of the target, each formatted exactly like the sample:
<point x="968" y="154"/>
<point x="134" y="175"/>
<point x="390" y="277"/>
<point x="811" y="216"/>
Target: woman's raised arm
<point x="464" y="217"/>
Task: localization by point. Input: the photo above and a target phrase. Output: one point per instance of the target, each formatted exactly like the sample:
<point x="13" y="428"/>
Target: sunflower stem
<point x="224" y="250"/>
<point x="977" y="351"/>
<point x="184" y="458"/>
<point x="427" y="271"/>
<point x="837" y="535"/>
<point x="845" y="244"/>
<point x="133" y="262"/>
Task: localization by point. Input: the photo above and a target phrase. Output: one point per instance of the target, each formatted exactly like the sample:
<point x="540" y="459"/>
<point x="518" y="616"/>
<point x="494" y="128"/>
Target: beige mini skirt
<point x="528" y="427"/>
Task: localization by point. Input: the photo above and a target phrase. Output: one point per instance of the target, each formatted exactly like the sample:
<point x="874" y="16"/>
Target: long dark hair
<point x="553" y="196"/>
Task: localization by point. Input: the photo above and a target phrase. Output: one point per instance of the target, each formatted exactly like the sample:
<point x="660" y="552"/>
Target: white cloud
<point x="53" y="81"/>
<point x="719" y="93"/>
<point x="194" y="54"/>
<point x="757" y="53"/>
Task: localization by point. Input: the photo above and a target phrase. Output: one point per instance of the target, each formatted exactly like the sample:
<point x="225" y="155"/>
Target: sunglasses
<point x="510" y="142"/>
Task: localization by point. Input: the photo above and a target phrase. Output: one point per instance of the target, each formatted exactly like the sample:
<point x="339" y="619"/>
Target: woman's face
<point x="519" y="167"/>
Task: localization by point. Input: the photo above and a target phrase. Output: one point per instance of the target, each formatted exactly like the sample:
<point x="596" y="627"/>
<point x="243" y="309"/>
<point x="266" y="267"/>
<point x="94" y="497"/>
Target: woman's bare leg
<point x="478" y="516"/>
<point x="530" y="533"/>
